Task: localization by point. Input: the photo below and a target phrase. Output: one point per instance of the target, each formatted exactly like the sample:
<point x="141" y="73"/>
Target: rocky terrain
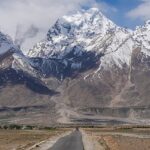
<point x="86" y="69"/>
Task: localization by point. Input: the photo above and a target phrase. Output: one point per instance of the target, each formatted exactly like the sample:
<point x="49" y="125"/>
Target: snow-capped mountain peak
<point x="142" y="37"/>
<point x="90" y="21"/>
<point x="83" y="17"/>
<point x="86" y="31"/>
<point x="72" y="30"/>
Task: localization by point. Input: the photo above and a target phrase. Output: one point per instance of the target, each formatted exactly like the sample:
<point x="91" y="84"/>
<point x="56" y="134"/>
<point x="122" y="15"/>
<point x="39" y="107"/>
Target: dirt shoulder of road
<point x="26" y="139"/>
<point x="117" y="139"/>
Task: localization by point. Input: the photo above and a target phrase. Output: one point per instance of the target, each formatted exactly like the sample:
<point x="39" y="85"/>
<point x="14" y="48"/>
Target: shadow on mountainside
<point x="71" y="65"/>
<point x="12" y="77"/>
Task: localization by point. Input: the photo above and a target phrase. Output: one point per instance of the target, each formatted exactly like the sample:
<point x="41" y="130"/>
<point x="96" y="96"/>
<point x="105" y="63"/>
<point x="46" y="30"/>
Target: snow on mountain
<point x="70" y="31"/>
<point x="116" y="46"/>
<point x="142" y="38"/>
<point x="23" y="63"/>
<point x="18" y="60"/>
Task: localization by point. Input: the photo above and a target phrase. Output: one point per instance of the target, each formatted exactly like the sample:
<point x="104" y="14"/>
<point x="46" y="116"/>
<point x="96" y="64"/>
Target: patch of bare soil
<point x="120" y="139"/>
<point x="21" y="140"/>
<point x="130" y="143"/>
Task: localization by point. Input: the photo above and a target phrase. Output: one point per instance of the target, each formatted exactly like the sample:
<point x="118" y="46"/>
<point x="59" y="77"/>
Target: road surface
<point x="70" y="142"/>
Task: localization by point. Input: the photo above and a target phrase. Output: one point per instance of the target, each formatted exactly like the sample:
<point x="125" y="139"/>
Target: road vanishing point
<point x="69" y="142"/>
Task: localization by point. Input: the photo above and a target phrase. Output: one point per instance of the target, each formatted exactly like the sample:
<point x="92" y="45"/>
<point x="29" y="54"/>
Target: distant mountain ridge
<point x="85" y="65"/>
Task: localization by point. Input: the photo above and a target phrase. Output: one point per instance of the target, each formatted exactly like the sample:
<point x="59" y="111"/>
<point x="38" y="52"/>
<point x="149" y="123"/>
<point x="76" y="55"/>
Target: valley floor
<point x="117" y="139"/>
<point x="101" y="138"/>
<point x="27" y="139"/>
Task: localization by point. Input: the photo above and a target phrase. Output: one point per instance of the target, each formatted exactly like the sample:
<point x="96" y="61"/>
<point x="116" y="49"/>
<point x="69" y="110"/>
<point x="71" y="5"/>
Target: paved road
<point x="70" y="142"/>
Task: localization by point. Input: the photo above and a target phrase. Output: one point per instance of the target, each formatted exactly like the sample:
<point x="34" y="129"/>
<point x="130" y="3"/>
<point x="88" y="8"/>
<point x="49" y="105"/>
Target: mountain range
<point x="86" y="70"/>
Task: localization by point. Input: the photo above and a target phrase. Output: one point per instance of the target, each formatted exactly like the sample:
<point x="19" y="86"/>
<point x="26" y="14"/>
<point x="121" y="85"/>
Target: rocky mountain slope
<point x="22" y="95"/>
<point x="86" y="69"/>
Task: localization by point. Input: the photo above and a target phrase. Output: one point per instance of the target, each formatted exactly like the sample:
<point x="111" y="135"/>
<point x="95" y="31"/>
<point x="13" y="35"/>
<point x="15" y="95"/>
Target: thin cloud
<point x="142" y="11"/>
<point x="40" y="14"/>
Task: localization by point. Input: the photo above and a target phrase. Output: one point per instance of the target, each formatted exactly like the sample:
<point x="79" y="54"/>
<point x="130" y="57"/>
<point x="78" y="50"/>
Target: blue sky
<point x="123" y="7"/>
